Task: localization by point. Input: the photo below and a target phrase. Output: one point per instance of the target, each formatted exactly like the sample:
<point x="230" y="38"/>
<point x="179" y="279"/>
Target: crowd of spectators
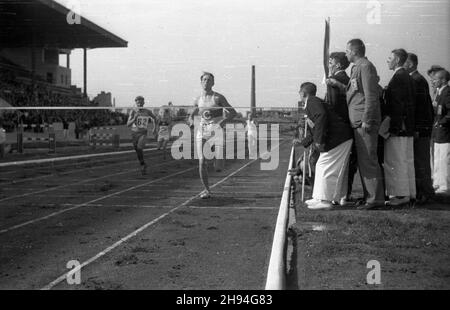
<point x="19" y="94"/>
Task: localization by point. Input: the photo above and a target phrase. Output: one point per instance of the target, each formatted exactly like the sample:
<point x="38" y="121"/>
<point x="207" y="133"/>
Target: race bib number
<point x="207" y="115"/>
<point x="142" y="122"/>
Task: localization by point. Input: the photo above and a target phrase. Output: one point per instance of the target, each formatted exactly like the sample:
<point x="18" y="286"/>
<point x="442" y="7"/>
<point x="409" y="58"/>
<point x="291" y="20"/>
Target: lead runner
<point x="212" y="107"/>
<point x="139" y="121"/>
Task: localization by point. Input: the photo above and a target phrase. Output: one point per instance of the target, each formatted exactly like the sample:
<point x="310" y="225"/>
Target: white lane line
<point x="89" y="202"/>
<point x="77" y="183"/>
<point x="234" y="208"/>
<point x="137" y="231"/>
<point x="68" y="172"/>
<point x="51" y="160"/>
<point x="251" y="182"/>
<point x="120" y="206"/>
<point x="62" y="173"/>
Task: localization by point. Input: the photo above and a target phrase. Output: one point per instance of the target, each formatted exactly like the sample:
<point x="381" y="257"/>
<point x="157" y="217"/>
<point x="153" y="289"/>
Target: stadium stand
<point x="30" y="72"/>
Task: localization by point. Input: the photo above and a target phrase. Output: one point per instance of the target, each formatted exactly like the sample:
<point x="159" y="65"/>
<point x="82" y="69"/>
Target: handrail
<point x="276" y="274"/>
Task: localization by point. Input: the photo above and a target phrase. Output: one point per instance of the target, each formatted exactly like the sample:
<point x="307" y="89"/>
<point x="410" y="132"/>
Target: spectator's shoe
<point x="442" y="191"/>
<point x="312" y="202"/>
<point x="321" y="205"/>
<point x="398" y="201"/>
<point x="424" y="199"/>
<point x="369" y="206"/>
<point x="144" y="169"/>
<point x="344" y="202"/>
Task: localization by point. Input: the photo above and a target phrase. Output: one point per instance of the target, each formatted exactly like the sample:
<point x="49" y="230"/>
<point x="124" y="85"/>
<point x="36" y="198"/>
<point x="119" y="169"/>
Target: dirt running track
<point x="138" y="232"/>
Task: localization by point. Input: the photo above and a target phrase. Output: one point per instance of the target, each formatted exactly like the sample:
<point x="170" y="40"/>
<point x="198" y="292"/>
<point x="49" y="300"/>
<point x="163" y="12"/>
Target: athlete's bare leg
<point x="164" y="147"/>
<point x="203" y="171"/>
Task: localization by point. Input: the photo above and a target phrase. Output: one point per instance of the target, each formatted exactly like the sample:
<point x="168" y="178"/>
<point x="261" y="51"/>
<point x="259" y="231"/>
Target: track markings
<point x="90" y="202"/>
<point x="76" y="183"/>
<point x="234" y="208"/>
<point x="68" y="172"/>
<point x="52" y="160"/>
<point x="139" y="230"/>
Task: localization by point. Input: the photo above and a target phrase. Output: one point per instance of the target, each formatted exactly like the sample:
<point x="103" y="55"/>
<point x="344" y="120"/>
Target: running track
<point x="138" y="232"/>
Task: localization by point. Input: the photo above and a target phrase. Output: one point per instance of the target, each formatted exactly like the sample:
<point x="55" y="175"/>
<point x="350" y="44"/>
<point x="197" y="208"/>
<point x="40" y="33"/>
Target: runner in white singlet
<point x="213" y="110"/>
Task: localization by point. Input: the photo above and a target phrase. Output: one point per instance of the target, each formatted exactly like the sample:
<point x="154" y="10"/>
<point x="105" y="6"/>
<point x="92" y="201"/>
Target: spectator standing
<point x="441" y="134"/>
<point x="365" y="116"/>
<point x="423" y="127"/>
<point x="399" y="133"/>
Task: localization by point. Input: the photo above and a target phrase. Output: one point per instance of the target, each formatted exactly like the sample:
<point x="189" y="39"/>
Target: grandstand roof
<point x="47" y="21"/>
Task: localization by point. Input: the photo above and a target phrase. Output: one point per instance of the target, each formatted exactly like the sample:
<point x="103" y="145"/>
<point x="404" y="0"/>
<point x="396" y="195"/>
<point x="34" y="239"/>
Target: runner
<point x="164" y="125"/>
<point x="214" y="111"/>
<point x="139" y="121"/>
<point x="252" y="136"/>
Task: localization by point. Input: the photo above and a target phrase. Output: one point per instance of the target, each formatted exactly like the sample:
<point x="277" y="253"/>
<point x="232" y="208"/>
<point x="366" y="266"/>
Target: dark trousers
<point x="424" y="184"/>
<point x="352" y="169"/>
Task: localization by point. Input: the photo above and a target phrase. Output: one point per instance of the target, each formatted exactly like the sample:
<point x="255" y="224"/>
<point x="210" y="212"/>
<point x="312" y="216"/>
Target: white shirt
<point x="413" y="72"/>
<point x="396" y="69"/>
<point x="439" y="92"/>
<point x="306" y="103"/>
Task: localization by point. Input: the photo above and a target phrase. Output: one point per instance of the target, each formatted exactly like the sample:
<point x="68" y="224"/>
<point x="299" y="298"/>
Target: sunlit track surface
<point x="223" y="242"/>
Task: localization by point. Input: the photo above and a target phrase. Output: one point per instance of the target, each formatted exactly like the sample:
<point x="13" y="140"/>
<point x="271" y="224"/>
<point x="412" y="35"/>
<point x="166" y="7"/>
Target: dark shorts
<point x="139" y="139"/>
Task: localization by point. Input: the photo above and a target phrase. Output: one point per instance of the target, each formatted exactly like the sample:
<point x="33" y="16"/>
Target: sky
<point x="170" y="43"/>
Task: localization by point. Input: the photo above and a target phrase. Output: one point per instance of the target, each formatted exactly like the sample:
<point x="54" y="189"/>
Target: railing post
<point x="20" y="138"/>
<point x="51" y="140"/>
<point x="116" y="140"/>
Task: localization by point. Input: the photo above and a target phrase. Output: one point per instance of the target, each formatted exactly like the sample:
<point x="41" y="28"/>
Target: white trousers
<point x="441" y="169"/>
<point x="398" y="167"/>
<point x="331" y="180"/>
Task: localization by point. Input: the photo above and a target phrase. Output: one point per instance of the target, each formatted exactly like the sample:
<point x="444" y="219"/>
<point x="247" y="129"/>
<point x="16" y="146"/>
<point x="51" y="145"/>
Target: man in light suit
<point x="363" y="98"/>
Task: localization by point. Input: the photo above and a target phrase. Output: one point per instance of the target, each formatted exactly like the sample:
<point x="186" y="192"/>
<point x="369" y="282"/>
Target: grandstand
<point x="33" y="35"/>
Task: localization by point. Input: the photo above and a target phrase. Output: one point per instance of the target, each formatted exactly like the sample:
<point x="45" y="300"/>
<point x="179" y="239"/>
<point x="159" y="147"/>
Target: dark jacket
<point x="338" y="129"/>
<point x="441" y="128"/>
<point x="424" y="108"/>
<point x="316" y="112"/>
<point x="363" y="96"/>
<point x="400" y="104"/>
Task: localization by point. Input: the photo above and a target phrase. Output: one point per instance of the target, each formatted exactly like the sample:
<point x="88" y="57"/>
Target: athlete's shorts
<point x="163" y="134"/>
<point x="139" y="139"/>
<point x="209" y="133"/>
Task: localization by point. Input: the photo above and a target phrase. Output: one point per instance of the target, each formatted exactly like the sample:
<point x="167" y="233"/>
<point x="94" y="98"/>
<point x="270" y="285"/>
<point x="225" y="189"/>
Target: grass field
<point x="411" y="245"/>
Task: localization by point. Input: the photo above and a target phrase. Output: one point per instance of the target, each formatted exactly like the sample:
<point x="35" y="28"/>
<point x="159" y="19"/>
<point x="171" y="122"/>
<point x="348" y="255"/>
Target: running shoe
<point x="205" y="195"/>
<point x="144" y="169"/>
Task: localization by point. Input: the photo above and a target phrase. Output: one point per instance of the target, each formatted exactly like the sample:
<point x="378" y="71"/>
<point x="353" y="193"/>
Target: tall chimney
<point x="253" y="93"/>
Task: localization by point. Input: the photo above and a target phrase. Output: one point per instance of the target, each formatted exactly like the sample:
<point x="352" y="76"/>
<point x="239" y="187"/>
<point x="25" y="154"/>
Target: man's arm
<point x="447" y="106"/>
<point x="230" y="112"/>
<point x="155" y="121"/>
<point x="319" y="116"/>
<point x="131" y="118"/>
<point x="371" y="115"/>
